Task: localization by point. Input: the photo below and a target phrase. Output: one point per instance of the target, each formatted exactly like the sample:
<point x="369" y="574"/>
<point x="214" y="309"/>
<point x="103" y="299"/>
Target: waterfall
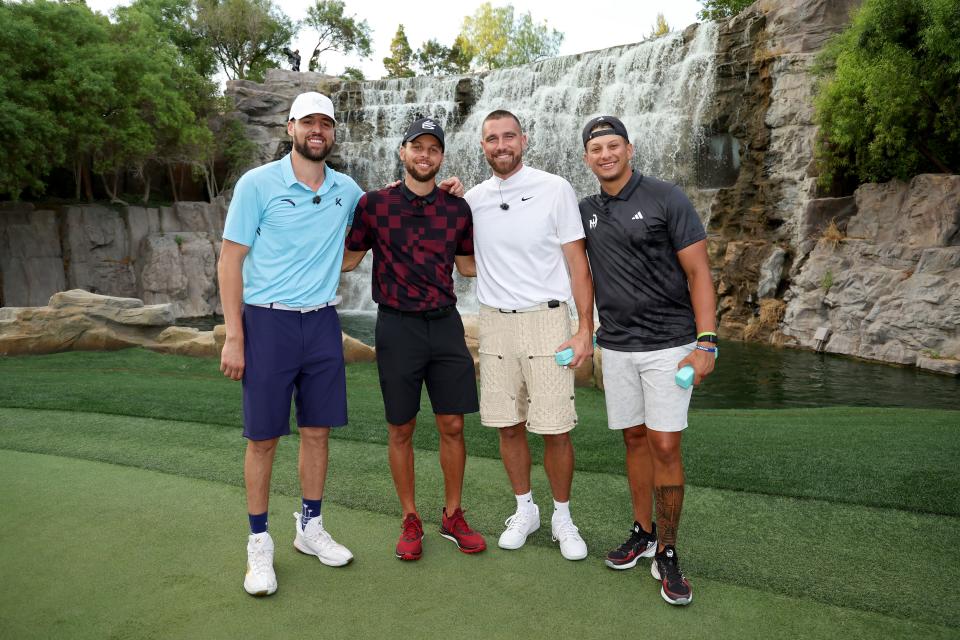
<point x="659" y="88"/>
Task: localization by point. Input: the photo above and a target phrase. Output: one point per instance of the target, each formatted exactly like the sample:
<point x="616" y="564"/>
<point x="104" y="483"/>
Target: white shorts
<point x="639" y="387"/>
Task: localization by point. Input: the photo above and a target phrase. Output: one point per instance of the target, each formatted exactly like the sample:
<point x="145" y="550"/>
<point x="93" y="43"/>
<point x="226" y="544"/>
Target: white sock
<point x="561" y="510"/>
<point x="525" y="501"/>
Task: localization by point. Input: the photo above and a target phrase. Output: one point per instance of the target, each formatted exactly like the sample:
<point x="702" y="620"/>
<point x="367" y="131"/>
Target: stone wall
<point x="159" y="255"/>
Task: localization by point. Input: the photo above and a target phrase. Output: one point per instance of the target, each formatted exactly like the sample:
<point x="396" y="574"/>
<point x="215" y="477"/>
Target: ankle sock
<point x="525" y="501"/>
<point x="561" y="510"/>
<point x="309" y="510"/>
<point x="258" y="522"/>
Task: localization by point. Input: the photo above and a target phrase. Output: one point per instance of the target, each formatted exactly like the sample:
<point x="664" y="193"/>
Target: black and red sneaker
<point x="640" y="544"/>
<point x="410" y="545"/>
<point x="673" y="584"/>
<point x="455" y="528"/>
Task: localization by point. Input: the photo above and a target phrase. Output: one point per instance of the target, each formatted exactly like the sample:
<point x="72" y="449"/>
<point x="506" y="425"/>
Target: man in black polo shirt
<point x="417" y="233"/>
<point x="657" y="307"/>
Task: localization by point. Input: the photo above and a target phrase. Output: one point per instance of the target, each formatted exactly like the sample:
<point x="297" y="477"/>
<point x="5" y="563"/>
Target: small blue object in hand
<point x="564" y="357"/>
<point x="684" y="377"/>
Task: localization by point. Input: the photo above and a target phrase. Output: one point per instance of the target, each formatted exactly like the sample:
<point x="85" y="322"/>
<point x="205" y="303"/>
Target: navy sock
<point x="310" y="509"/>
<point x="258" y="522"/>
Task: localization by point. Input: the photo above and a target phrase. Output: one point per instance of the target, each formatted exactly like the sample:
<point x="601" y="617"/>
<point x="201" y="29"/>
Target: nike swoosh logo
<point x="525" y="199"/>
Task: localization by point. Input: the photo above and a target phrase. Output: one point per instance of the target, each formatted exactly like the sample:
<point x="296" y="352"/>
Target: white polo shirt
<point x="520" y="261"/>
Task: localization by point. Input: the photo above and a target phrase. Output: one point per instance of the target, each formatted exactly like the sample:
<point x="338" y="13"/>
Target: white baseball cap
<point x="309" y="103"/>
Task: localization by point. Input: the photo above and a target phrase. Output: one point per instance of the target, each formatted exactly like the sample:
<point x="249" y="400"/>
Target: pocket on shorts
<point x="496" y="403"/>
<point x="551" y="393"/>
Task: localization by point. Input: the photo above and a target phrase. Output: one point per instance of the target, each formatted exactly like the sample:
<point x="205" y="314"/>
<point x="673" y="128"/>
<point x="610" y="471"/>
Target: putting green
<point x="99" y="550"/>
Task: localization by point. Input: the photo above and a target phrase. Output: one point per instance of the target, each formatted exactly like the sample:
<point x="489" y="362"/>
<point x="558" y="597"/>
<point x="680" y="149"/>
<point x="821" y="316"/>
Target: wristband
<point x="707" y="336"/>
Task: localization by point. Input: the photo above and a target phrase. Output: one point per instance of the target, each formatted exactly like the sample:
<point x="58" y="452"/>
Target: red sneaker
<point x="410" y="547"/>
<point x="456" y="528"/>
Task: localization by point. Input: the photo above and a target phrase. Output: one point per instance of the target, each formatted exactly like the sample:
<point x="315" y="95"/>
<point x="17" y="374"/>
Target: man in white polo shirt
<point x="530" y="260"/>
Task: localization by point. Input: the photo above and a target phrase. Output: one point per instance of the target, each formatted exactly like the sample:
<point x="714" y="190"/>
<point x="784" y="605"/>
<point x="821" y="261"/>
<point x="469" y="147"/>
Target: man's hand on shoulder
<point x="453" y="186"/>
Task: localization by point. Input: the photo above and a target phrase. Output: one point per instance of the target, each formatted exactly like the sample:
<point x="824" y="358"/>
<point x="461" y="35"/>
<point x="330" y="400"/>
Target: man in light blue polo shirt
<point x="279" y="270"/>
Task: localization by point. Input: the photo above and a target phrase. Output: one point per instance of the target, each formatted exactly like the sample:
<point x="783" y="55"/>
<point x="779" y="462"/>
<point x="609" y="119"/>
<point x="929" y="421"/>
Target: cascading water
<point x="659" y="88"/>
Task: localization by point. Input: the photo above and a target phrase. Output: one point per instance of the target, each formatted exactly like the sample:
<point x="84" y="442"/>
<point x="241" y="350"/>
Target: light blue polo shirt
<point x="296" y="246"/>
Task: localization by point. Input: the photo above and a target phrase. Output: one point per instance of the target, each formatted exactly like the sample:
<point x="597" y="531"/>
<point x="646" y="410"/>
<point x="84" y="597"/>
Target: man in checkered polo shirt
<point x="417" y="233"/>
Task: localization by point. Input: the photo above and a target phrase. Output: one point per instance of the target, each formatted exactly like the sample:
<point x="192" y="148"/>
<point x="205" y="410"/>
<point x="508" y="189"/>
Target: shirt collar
<point x="635" y="178"/>
<point x="330" y="177"/>
<point x="411" y="196"/>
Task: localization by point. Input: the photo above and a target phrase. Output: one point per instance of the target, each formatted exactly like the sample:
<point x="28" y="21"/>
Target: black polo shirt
<point x="414" y="240"/>
<point x="632" y="241"/>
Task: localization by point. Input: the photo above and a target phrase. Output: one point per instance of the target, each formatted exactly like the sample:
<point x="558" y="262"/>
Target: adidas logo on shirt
<point x="638" y="216"/>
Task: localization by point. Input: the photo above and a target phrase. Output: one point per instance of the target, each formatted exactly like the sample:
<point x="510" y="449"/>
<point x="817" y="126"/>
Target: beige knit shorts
<point x="520" y="379"/>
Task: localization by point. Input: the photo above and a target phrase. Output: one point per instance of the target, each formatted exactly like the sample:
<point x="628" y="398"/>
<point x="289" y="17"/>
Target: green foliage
<point x="435" y="59"/>
<point x="826" y="282"/>
<point x="353" y="73"/>
<point x="493" y="38"/>
<point x="660" y="28"/>
<point x="175" y="20"/>
<point x="889" y="102"/>
<point x="398" y="63"/>
<point x="722" y="9"/>
<point x="247" y="36"/>
<point x="336" y="31"/>
<point x="237" y="150"/>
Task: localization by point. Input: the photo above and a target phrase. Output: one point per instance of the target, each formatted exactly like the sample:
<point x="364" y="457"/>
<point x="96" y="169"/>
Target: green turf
<point x="844" y="507"/>
<point x="166" y="572"/>
<point x="797" y="452"/>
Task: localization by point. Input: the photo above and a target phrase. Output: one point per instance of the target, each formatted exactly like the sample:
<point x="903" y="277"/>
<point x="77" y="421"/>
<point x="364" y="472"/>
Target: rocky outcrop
<point x="78" y="320"/>
<point x="887" y="284"/>
<point x="165" y="254"/>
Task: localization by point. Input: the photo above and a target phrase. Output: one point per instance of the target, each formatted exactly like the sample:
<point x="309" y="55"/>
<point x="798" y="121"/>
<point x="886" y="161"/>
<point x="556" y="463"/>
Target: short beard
<point x="514" y="164"/>
<point x="304" y="151"/>
<point x="417" y="175"/>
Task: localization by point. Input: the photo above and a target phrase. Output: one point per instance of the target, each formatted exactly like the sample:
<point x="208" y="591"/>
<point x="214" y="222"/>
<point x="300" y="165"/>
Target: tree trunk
<point x="173" y="182"/>
<point x="87" y="183"/>
<point x="112" y="190"/>
<point x="146" y="187"/>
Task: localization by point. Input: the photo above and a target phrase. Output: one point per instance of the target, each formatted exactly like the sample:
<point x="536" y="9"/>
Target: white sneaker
<point x="260" y="579"/>
<point x="572" y="546"/>
<point x="520" y="525"/>
<point x="315" y="541"/>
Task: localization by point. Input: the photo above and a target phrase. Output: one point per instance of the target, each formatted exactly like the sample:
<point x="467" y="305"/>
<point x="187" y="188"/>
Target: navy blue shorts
<point x="292" y="354"/>
<point x="412" y="350"/>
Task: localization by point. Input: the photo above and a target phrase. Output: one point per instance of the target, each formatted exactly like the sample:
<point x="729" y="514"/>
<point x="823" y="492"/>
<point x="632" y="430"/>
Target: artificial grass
<point x="173" y="570"/>
<point x="839" y="554"/>
<point x="896" y="458"/>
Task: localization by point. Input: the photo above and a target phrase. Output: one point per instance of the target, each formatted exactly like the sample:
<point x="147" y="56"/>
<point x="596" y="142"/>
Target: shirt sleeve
<point x="683" y="223"/>
<point x="358" y="238"/>
<point x="569" y="223"/>
<point x="244" y="214"/>
<point x="465" y="241"/>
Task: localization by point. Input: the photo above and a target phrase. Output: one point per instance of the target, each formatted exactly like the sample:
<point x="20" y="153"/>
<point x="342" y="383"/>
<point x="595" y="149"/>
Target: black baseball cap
<point x="422" y="126"/>
<point x="614" y="126"/>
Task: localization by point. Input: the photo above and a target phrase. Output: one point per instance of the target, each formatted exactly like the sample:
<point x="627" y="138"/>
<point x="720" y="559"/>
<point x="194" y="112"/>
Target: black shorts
<point x="417" y="348"/>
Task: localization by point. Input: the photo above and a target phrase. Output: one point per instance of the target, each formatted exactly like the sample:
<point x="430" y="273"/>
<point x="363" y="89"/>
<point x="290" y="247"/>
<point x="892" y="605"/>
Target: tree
<point x="352" y="73"/>
<point x="247" y="36"/>
<point x="494" y="39"/>
<point x="889" y="100"/>
<point x="175" y="21"/>
<point x="336" y="32"/>
<point x="435" y="59"/>
<point x="398" y="63"/>
<point x="721" y="9"/>
<point x="660" y="28"/>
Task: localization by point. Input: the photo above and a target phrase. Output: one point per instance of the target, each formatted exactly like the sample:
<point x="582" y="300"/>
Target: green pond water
<point x="761" y="377"/>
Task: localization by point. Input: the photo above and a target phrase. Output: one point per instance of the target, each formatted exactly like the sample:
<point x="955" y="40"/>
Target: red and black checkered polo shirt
<point x="414" y="239"/>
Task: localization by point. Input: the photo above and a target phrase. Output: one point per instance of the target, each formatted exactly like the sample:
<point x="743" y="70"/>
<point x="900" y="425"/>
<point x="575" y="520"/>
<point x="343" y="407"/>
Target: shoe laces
<point x="412" y="529"/>
<point x="457" y="523"/>
<point x="566" y="530"/>
<point x="671" y="570"/>
<point x="519" y="521"/>
<point x="260" y="559"/>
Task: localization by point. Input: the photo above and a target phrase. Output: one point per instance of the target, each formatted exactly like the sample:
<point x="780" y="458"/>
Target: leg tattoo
<point x="669" y="505"/>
